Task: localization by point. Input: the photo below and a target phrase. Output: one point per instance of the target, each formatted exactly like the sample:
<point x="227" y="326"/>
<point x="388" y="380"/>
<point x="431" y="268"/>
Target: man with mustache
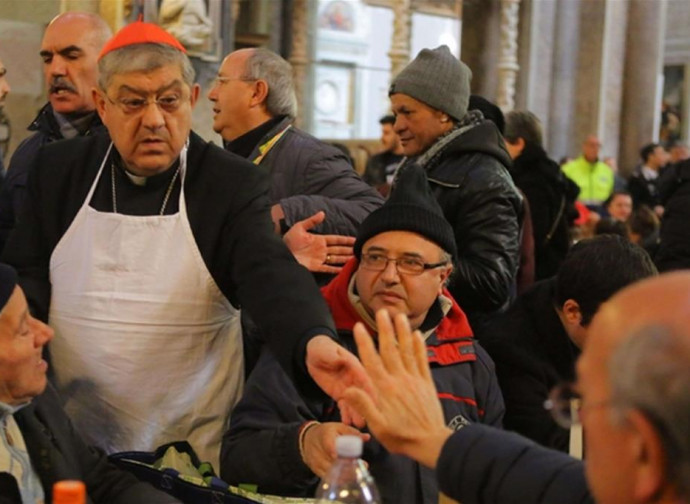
<point x="69" y="49"/>
<point x="141" y="243"/>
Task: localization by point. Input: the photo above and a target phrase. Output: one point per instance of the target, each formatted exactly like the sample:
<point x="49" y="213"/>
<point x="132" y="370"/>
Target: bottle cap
<point x="348" y="446"/>
<point x="69" y="492"/>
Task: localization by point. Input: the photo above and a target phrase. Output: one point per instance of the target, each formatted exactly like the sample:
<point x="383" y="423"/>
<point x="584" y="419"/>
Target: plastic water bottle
<point x="348" y="481"/>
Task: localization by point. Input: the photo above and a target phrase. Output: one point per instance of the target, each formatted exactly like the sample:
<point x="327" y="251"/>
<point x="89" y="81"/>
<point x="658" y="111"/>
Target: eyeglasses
<point x="404" y="265"/>
<point x="167" y="103"/>
<point x="566" y="407"/>
<point x="218" y="81"/>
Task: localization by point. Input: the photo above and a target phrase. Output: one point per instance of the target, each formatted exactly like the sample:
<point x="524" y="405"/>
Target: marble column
<point x="508" y="58"/>
<point x="400" y="45"/>
<point x="643" y="75"/>
<point x="536" y="60"/>
<point x="299" y="55"/>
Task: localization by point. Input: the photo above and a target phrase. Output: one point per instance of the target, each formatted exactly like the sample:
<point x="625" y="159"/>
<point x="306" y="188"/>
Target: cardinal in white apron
<point x="147" y="349"/>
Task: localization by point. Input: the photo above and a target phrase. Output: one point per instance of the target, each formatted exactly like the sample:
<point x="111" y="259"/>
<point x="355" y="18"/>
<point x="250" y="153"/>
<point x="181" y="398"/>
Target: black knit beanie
<point x="410" y="207"/>
<point x="8" y="281"/>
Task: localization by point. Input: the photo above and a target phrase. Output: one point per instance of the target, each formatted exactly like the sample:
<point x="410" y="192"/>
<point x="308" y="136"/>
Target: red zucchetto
<point x="140" y="33"/>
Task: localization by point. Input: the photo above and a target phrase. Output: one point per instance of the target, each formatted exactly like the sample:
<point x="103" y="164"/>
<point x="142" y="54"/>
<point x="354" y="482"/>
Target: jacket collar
<point x="46" y="123"/>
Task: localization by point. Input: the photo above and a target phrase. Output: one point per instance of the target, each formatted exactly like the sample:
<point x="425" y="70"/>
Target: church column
<point x="400" y="45"/>
<point x="643" y="75"/>
<point x="299" y="55"/>
<point x="508" y="58"/>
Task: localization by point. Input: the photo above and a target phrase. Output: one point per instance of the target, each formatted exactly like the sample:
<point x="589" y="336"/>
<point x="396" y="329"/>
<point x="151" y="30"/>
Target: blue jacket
<point x="261" y="446"/>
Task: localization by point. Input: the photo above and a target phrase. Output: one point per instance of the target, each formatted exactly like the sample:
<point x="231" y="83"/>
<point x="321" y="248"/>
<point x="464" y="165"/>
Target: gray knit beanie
<point x="437" y="78"/>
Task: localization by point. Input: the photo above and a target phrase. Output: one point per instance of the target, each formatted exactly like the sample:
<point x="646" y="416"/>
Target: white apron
<point x="147" y="350"/>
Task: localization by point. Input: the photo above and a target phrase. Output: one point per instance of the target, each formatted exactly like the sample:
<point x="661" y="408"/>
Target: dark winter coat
<point x="674" y="244"/>
<point x="470" y="179"/>
<point x="13" y="190"/>
<point x="58" y="453"/>
<point x="481" y="465"/>
<point x="533" y="354"/>
<point x="551" y="197"/>
<point x="261" y="446"/>
<point x="308" y="175"/>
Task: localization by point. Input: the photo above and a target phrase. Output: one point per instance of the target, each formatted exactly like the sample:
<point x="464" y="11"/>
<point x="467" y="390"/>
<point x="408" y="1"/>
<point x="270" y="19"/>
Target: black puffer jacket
<point x="551" y="197"/>
<point x="674" y="245"/>
<point x="470" y="179"/>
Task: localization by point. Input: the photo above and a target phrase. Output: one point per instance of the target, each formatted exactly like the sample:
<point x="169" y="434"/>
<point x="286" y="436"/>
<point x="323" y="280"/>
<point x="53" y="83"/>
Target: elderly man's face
<point x="232" y="97"/>
<point x="412" y="295"/>
<point x="417" y="125"/>
<point x="70" y="51"/>
<point x="148" y="116"/>
<point x="22" y="338"/>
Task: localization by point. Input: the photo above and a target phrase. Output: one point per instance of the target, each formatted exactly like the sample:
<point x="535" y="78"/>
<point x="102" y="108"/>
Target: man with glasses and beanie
<point x="630" y="398"/>
<point x="141" y="244"/>
<point x="404" y="255"/>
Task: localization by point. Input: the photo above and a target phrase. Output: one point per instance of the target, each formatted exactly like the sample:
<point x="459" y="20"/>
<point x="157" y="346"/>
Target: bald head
<point x="70" y="48"/>
<point x="662" y="300"/>
<point x="634" y="374"/>
<point x="91" y="25"/>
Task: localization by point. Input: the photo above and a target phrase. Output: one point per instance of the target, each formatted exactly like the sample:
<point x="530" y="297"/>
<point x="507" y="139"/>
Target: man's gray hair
<point x="142" y="58"/>
<point x="650" y="372"/>
<point x="523" y="124"/>
<point x="266" y="65"/>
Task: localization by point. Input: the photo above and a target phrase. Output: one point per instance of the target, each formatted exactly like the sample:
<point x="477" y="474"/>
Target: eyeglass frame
<point x="557" y="402"/>
<point x="218" y="80"/>
<point x="426" y="266"/>
<point x="119" y="102"/>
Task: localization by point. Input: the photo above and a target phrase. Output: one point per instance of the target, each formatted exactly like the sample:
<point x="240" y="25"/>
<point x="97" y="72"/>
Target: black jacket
<point x="13" y="190"/>
<point x="58" y="453"/>
<point x="308" y="175"/>
<point x="481" y="465"/>
<point x="674" y="193"/>
<point x="229" y="216"/>
<point x="551" y="197"/>
<point x="471" y="182"/>
<point x="533" y="354"/>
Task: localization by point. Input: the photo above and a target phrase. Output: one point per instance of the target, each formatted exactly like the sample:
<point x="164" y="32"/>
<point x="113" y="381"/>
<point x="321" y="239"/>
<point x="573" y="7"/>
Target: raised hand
<point x="318" y="253"/>
<point x="404" y="412"/>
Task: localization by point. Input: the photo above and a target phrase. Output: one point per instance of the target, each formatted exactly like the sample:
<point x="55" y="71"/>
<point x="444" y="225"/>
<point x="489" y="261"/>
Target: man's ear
<point x="260" y="93"/>
<point x="572" y="313"/>
<point x="194" y="94"/>
<point x="520" y="142"/>
<point x="99" y="101"/>
<point x="647" y="452"/>
<point x="445" y="273"/>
